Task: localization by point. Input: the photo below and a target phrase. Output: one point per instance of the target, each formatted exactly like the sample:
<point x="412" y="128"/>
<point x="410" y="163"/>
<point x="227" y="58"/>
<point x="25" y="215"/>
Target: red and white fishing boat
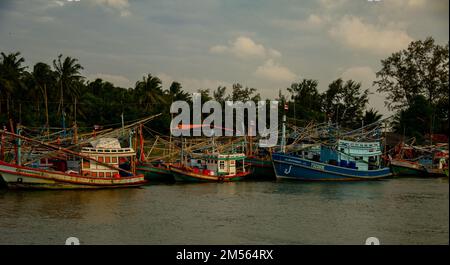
<point x="104" y="165"/>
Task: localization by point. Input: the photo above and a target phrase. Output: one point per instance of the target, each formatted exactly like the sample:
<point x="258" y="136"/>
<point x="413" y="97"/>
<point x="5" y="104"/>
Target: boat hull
<point x="19" y="177"/>
<point x="436" y="173"/>
<point x="182" y="175"/>
<point x="260" y="168"/>
<point x="403" y="168"/>
<point x="291" y="167"/>
<point x="153" y="173"/>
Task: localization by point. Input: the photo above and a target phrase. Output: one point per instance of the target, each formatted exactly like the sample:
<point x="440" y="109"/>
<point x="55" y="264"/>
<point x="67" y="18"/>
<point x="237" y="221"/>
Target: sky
<point x="209" y="43"/>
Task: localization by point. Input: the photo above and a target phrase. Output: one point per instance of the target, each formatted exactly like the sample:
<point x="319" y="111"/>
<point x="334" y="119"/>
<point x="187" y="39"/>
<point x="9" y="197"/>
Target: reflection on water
<point x="397" y="211"/>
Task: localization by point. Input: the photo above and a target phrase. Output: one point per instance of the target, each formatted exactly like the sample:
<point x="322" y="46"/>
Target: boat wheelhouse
<point x="107" y="151"/>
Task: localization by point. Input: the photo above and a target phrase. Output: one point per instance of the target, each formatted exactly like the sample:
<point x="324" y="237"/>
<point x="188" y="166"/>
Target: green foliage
<point x="414" y="121"/>
<point x="69" y="81"/>
<point x="345" y="102"/>
<point x="239" y="93"/>
<point x="307" y="101"/>
<point x="371" y="116"/>
<point x="416" y="83"/>
<point x="204" y="94"/>
<point x="421" y="69"/>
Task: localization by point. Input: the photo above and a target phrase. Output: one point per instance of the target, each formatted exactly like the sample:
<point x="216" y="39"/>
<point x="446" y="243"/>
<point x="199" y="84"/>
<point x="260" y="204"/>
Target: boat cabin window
<point x="107" y="159"/>
<point x="222" y="165"/>
<point x="114" y="159"/>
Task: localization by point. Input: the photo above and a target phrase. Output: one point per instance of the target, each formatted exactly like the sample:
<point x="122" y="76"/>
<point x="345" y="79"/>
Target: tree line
<point x="414" y="80"/>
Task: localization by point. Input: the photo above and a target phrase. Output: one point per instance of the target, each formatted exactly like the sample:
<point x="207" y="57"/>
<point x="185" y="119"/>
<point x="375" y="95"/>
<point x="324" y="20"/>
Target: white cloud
<point x="122" y="6"/>
<point x="50" y="4"/>
<point x="408" y="3"/>
<point x="58" y="3"/>
<point x="45" y="19"/>
<point x="245" y="47"/>
<point x="416" y="3"/>
<point x="218" y="49"/>
<point x="363" y="74"/>
<point x="117" y="80"/>
<point x="274" y="72"/>
<point x="332" y="4"/>
<point x="354" y="33"/>
<point x="313" y="22"/>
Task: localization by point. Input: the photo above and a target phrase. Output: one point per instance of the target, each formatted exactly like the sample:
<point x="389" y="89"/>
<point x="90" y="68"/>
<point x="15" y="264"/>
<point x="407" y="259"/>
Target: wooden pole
<point x="75" y="133"/>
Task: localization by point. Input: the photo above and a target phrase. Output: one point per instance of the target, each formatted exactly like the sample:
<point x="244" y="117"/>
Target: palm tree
<point x="68" y="72"/>
<point x="11" y="73"/>
<point x="176" y="92"/>
<point x="371" y="116"/>
<point x="150" y="92"/>
<point x="44" y="77"/>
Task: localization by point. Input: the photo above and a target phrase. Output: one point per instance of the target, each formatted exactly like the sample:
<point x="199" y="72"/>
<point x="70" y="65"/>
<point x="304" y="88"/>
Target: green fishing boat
<point x="159" y="172"/>
<point x="260" y="168"/>
<point x="406" y="168"/>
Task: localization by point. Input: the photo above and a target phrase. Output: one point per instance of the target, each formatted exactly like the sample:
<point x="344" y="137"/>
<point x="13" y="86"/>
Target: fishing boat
<point x="155" y="171"/>
<point x="214" y="167"/>
<point x="402" y="167"/>
<point x="333" y="158"/>
<point x="436" y="164"/>
<point x="258" y="160"/>
<point x="350" y="161"/>
<point x="103" y="165"/>
<point x="260" y="167"/>
<point x="422" y="161"/>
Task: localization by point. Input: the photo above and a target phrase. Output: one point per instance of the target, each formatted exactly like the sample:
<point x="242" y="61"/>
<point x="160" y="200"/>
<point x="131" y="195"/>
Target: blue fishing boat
<point x="347" y="160"/>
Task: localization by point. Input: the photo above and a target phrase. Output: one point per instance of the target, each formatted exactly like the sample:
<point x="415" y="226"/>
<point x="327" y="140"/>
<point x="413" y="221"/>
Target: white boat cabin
<point x="362" y="154"/>
<point x="109" y="151"/>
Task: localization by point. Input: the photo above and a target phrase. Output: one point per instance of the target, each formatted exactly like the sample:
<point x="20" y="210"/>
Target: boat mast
<point x="170" y="139"/>
<point x="19" y="144"/>
<point x="75" y="129"/>
<point x="182" y="151"/>
<point x="123" y="124"/>
<point x="2" y="146"/>
<point x="141" y="144"/>
<point x="283" y="135"/>
<point x="63" y="116"/>
<point x="250" y="151"/>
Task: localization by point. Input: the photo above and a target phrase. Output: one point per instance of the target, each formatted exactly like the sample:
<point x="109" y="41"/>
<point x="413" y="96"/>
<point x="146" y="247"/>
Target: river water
<point x="396" y="211"/>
